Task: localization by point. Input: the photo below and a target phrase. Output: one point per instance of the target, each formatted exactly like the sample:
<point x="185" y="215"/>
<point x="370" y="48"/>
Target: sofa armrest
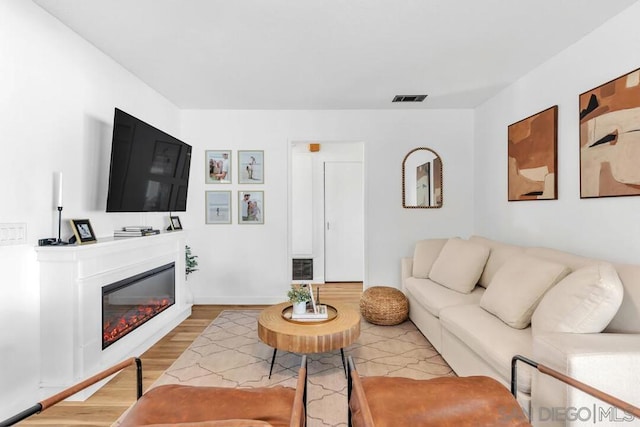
<point x="608" y="362"/>
<point x="406" y="266"/>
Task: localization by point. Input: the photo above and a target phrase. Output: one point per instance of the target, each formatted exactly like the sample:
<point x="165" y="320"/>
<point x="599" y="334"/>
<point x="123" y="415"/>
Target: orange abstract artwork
<point x="532" y="150"/>
<point x="610" y="138"/>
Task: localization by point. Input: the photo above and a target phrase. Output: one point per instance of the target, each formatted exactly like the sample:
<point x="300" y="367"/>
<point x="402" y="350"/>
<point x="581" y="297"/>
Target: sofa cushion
<point x="500" y="253"/>
<point x="518" y="287"/>
<point x="569" y="259"/>
<point x="491" y="339"/>
<point x="434" y="297"/>
<point x="583" y="302"/>
<point x="424" y="254"/>
<point x="459" y="265"/>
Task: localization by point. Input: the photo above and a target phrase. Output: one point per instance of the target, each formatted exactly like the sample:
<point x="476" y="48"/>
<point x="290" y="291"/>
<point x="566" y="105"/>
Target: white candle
<point x="59" y="189"/>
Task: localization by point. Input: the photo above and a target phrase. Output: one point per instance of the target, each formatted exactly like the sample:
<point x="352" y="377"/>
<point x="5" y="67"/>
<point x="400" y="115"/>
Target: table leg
<point x="273" y="359"/>
<point x="344" y="364"/>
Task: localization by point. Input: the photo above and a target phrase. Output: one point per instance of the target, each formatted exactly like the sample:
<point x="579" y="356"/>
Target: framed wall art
<point x="610" y="138"/>
<point x="250" y="207"/>
<point x="83" y="231"/>
<point x="218" y="166"/>
<point x="250" y="167"/>
<point x="533" y="156"/>
<point x="218" y="207"/>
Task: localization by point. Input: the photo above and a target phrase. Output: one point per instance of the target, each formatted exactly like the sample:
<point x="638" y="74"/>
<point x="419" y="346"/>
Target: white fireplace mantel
<point x="71" y="281"/>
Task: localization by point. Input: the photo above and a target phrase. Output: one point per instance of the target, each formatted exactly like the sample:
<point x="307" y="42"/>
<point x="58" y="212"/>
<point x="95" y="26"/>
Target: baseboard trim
<point x="238" y="300"/>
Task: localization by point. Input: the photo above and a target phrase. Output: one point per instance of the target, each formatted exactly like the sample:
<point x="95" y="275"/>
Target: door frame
<point x="318" y="220"/>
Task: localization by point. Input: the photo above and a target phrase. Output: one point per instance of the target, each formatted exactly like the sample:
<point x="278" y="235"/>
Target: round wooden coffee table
<point x="309" y="337"/>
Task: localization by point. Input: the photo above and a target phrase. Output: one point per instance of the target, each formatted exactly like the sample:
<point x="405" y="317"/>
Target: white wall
<point x="604" y="227"/>
<point x="56" y="109"/>
<point x="248" y="263"/>
<point x="19" y="330"/>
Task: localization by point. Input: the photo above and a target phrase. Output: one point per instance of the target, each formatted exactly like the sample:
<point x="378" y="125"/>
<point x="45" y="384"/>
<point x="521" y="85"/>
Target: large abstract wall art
<point x="532" y="150"/>
<point x="610" y="138"/>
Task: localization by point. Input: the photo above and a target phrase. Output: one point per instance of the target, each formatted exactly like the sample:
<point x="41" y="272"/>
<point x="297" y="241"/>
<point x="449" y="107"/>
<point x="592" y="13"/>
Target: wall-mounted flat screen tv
<point x="149" y="169"/>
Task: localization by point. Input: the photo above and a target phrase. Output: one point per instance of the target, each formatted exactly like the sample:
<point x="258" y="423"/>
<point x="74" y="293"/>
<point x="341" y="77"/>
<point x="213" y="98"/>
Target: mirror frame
<point x="404" y="200"/>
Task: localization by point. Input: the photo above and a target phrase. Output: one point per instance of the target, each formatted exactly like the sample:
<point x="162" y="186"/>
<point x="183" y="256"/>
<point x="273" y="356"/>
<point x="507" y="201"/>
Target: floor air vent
<point x="302" y="269"/>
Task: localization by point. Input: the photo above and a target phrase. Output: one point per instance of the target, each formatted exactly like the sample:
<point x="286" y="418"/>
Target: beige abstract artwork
<point x="532" y="150"/>
<point x="610" y="138"/>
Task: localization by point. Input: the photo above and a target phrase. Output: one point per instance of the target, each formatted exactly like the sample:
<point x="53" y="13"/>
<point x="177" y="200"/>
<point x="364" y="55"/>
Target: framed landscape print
<point x="250" y="207"/>
<point x="218" y="207"/>
<point x="218" y="166"/>
<point x="532" y="150"/>
<point x="610" y="138"/>
<point x="250" y="167"/>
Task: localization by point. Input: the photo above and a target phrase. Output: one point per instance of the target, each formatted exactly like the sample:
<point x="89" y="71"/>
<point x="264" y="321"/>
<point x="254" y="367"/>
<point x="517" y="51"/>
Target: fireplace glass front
<point x="129" y="303"/>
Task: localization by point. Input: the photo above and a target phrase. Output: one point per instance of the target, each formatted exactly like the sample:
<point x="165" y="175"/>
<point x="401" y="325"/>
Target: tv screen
<point x="149" y="169"/>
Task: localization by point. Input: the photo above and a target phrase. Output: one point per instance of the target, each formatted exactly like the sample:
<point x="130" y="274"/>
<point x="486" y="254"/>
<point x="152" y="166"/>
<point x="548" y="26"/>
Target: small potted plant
<point x="190" y="261"/>
<point x="299" y="296"/>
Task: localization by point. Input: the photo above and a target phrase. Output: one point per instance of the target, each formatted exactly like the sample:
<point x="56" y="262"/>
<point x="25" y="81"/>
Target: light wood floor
<point x="108" y="403"/>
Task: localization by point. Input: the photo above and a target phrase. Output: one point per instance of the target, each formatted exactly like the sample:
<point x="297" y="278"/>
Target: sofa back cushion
<point x="459" y="265"/>
<point x="583" y="302"/>
<point x="572" y="261"/>
<point x="500" y="253"/>
<point x="424" y="254"/>
<point x="627" y="319"/>
<point x="518" y="286"/>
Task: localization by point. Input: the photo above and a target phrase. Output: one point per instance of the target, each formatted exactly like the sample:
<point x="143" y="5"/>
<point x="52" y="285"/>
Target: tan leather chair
<point x="448" y="401"/>
<point x="191" y="406"/>
<point x="445" y="401"/>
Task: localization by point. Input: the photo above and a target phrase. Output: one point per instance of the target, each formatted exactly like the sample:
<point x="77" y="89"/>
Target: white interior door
<point x="344" y="222"/>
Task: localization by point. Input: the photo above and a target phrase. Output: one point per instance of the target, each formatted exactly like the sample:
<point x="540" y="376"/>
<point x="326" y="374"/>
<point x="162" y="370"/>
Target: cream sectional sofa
<point x="480" y="301"/>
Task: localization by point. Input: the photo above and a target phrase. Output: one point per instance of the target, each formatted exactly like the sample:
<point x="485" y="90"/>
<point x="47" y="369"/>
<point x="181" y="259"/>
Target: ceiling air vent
<point x="409" y="98"/>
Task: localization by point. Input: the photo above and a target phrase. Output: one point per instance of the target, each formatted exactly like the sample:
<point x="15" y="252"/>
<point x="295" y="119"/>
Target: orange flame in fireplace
<point x="115" y="329"/>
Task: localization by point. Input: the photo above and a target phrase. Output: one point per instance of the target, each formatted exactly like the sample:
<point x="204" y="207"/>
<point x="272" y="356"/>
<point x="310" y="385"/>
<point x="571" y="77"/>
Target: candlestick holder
<point x="59" y="242"/>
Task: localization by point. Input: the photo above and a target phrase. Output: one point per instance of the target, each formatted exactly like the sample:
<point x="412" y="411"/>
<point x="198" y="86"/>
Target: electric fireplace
<point x="129" y="303"/>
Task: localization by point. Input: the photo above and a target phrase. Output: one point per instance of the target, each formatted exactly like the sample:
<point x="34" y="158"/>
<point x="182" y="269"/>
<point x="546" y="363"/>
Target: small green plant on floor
<point x="299" y="293"/>
<point x="190" y="260"/>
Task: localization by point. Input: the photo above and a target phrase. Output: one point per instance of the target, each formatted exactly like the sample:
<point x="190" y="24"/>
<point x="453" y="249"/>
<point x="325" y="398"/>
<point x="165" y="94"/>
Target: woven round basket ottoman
<point x="384" y="305"/>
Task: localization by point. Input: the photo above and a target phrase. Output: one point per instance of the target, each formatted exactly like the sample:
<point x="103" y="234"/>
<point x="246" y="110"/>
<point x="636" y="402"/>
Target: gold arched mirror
<point x="422" y="179"/>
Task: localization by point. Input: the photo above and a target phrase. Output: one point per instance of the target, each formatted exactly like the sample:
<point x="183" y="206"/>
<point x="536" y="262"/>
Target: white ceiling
<point x="330" y="54"/>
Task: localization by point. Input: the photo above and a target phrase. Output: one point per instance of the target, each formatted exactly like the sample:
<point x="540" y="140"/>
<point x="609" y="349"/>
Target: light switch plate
<point x="13" y="234"/>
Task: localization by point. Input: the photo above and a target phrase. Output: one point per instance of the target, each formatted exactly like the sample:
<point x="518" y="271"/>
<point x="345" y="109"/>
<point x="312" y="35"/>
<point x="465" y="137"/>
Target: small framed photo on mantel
<point x="83" y="231"/>
<point x="174" y="223"/>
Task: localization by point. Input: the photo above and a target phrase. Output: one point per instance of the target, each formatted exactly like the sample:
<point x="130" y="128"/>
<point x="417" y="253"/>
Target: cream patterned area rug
<point x="229" y="353"/>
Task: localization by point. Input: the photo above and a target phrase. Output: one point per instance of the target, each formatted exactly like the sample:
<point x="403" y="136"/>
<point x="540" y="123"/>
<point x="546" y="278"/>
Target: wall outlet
<point x="13" y="234"/>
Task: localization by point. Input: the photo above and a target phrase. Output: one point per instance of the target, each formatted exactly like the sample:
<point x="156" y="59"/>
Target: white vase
<point x="300" y="307"/>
